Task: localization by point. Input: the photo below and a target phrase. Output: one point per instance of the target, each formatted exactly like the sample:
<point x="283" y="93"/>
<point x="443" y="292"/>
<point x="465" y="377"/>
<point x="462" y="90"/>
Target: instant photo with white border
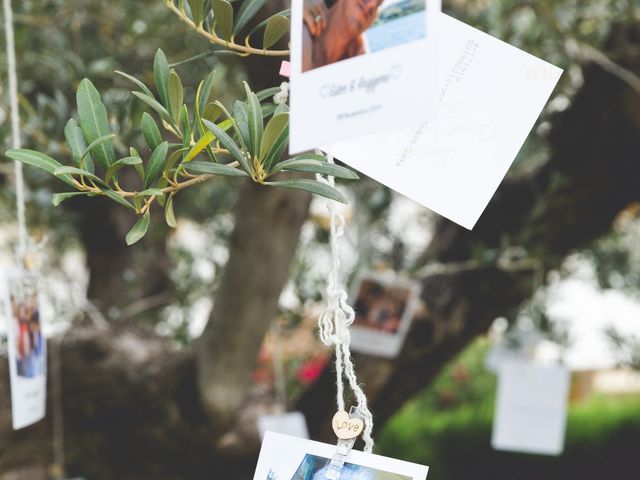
<point x="26" y="347"/>
<point x="531" y="407"/>
<point x="289" y="458"/>
<point x="349" y="83"/>
<point x="380" y="326"/>
<point x="490" y="96"/>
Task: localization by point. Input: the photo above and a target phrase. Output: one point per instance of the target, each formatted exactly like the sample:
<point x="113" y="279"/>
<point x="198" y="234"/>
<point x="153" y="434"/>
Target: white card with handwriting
<point x="491" y="95"/>
<point x="358" y="66"/>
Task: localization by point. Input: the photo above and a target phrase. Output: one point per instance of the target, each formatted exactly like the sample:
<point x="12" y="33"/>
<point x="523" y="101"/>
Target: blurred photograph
<point x="383" y="307"/>
<point x="284" y="457"/>
<point x="29" y="343"/>
<point x="336" y="30"/>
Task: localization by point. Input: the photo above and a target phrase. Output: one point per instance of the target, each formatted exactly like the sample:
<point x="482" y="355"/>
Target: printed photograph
<point x="28" y="338"/>
<point x="381" y="306"/>
<point x="336" y="30"/>
<point x="314" y="467"/>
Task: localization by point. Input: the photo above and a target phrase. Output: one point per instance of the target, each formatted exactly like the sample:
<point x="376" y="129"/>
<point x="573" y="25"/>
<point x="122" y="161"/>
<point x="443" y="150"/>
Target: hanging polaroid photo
<point x="384" y="307"/>
<point x="531" y="408"/>
<point x="288" y="423"/>
<point x="26" y="347"/>
<point x="490" y="96"/>
<point x="290" y="458"/>
<point x="359" y="66"/>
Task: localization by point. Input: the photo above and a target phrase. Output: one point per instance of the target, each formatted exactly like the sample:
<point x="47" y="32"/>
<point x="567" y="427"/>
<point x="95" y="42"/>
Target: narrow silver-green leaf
<point x="212" y="112"/>
<point x="150" y="131"/>
<point x="272" y="132"/>
<point x="139" y="230"/>
<point x="58" y="198"/>
<point x="277" y="150"/>
<point x="39" y="160"/>
<point x="117" y="165"/>
<point x="66" y="170"/>
<point x="169" y="215"/>
<point x="176" y="96"/>
<point x="276" y="27"/>
<point x="150" y="192"/>
<point x="206" y="92"/>
<point x="94" y="121"/>
<point x="316" y="166"/>
<point x="223" y="18"/>
<point x="153" y="103"/>
<point x="267" y="93"/>
<point x="312" y="186"/>
<point x="161" y="76"/>
<point x="141" y="85"/>
<point x="117" y="198"/>
<point x="197" y="11"/>
<point x="241" y="114"/>
<point x="75" y="140"/>
<point x="155" y="164"/>
<point x="95" y="144"/>
<point x="255" y="121"/>
<point x="214" y="169"/>
<point x="227" y="142"/>
<point x="247" y="11"/>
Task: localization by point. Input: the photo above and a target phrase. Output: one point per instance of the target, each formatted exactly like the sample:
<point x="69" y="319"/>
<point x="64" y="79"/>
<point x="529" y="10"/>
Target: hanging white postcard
<point x="27" y="349"/>
<point x="531" y="408"/>
<point x="491" y="94"/>
<point x="359" y="66"/>
<point x="290" y="458"/>
<point x="289" y="423"/>
<point x="384" y="308"/>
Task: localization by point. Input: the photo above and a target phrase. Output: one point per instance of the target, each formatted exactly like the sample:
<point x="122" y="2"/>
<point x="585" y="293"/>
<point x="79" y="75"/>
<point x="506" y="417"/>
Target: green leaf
<point x="283" y="13"/>
<point x="116" y="166"/>
<point x="39" y="160"/>
<point x="94" y="121"/>
<point x="197" y="11"/>
<point x="241" y="114"/>
<point x="255" y="121"/>
<point x="156" y="164"/>
<point x="223" y="17"/>
<point x="214" y="169"/>
<point x="206" y="93"/>
<point x="227" y="142"/>
<point x="200" y="145"/>
<point x="96" y="143"/>
<point x="150" y="131"/>
<point x="65" y="170"/>
<point x="212" y="112"/>
<point x="173" y="159"/>
<point x="161" y="76"/>
<point x="267" y="93"/>
<point x="117" y="198"/>
<point x="169" y="216"/>
<point x="75" y="140"/>
<point x="138" y="166"/>
<point x="276" y="27"/>
<point x="281" y="108"/>
<point x="312" y="186"/>
<point x="277" y="150"/>
<point x="176" y="96"/>
<point x="153" y="103"/>
<point x="58" y="198"/>
<point x="150" y="192"/>
<point x="301" y="164"/>
<point x="139" y="230"/>
<point x="185" y="127"/>
<point x="141" y="85"/>
<point x="247" y="11"/>
<point x="272" y="132"/>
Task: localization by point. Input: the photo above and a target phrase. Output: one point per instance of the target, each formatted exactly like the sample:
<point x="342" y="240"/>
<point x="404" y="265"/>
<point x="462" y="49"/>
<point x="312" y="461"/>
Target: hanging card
<point x="290" y="458"/>
<point x="26" y="347"/>
<point x="359" y="67"/>
<point x="531" y="408"/>
<point x="490" y="94"/>
<point x="384" y="307"/>
<point x="290" y="423"/>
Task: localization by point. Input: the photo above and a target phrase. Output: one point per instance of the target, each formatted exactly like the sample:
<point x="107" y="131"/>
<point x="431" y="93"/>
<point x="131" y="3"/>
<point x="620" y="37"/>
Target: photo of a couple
<point x="335" y="30"/>
<point x="29" y="342"/>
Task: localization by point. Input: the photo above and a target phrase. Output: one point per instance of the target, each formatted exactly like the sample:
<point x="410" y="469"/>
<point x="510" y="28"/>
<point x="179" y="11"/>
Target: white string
<point x="283" y="95"/>
<point x="335" y="320"/>
<point x="15" y="127"/>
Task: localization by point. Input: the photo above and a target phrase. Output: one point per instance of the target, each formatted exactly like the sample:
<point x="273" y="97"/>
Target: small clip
<point x="343" y="448"/>
<point x="285" y="69"/>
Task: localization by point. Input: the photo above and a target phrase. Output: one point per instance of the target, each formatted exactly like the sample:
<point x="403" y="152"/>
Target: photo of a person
<point x="29" y="342"/>
<point x="381" y="307"/>
<point x="335" y="30"/>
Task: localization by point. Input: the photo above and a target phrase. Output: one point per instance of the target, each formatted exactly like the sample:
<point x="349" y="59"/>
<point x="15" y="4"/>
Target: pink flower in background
<point x="310" y="370"/>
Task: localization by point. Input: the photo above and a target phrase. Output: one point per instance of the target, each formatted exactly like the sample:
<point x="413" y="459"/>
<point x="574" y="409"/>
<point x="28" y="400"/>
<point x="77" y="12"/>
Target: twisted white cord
<point x="283" y="95"/>
<point x="335" y="320"/>
<point x="15" y="126"/>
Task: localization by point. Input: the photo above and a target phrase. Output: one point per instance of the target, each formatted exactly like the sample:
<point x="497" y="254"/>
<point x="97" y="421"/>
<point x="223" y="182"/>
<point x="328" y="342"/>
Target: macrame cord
<point x="15" y="128"/>
<point x="335" y="320"/>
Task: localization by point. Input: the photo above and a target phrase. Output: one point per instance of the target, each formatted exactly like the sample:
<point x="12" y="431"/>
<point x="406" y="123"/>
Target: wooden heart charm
<point x="346" y="427"/>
